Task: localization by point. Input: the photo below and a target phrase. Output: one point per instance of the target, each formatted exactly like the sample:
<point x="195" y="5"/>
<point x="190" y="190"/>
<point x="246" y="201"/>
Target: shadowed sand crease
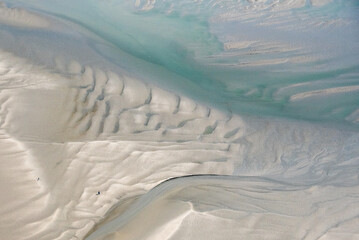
<point x="201" y="193"/>
<point x="171" y="120"/>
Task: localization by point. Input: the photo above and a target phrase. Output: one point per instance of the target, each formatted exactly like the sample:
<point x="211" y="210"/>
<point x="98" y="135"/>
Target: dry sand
<point x="87" y="153"/>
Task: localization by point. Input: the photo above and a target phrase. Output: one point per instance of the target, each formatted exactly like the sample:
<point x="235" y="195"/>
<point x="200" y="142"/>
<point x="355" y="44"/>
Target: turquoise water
<point x="289" y="68"/>
<point x="296" y="61"/>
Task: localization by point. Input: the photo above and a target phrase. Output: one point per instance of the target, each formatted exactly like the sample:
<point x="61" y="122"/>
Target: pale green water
<point x="271" y="62"/>
<point x="301" y="61"/>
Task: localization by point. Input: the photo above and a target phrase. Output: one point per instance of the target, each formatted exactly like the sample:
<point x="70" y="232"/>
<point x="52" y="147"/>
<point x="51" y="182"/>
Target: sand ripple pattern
<point x="88" y="143"/>
<point x="90" y="151"/>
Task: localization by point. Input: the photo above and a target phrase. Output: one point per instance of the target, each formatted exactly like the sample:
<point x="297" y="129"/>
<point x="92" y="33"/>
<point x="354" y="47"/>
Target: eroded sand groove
<point x="243" y="205"/>
<point x="63" y="122"/>
<point x="90" y="130"/>
<point x="90" y="152"/>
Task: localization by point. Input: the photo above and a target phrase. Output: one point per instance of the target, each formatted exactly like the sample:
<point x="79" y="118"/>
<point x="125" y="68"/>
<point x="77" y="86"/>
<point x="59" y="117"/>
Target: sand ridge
<point x="63" y="122"/>
<point x="90" y="150"/>
<point x="91" y="139"/>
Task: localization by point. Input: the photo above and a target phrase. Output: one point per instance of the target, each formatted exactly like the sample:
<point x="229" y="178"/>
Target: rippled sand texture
<point x="95" y="145"/>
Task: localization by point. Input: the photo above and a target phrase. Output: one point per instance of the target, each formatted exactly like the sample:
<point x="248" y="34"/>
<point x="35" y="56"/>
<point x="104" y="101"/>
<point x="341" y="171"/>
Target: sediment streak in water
<point x="94" y="144"/>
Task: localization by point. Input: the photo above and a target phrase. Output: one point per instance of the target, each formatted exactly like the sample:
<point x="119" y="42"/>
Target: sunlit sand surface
<point x="135" y="126"/>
